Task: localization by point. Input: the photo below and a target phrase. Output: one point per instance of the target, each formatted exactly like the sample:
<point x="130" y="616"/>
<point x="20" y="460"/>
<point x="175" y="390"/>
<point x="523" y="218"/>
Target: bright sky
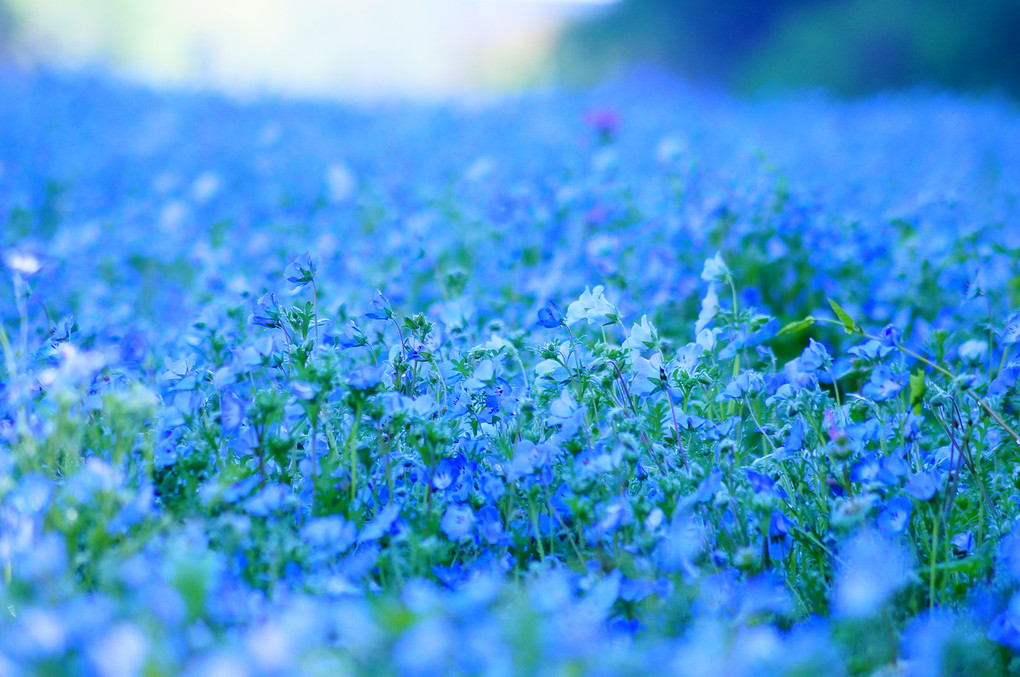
<point x="346" y="47"/>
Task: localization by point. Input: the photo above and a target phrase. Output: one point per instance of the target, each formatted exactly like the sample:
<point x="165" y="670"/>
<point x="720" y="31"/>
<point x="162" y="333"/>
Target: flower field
<point x="640" y="380"/>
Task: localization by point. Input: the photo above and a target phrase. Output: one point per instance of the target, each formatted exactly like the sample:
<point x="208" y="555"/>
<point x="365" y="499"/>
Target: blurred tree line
<point x="849" y="46"/>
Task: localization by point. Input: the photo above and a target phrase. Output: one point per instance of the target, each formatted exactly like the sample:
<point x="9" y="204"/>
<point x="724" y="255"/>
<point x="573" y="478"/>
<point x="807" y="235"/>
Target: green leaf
<point x="850" y="325"/>
<point x="917" y="390"/>
<point x="799" y="325"/>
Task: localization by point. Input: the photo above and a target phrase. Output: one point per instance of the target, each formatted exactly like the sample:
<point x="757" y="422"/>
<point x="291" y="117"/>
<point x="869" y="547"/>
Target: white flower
<point x="647" y="375"/>
<point x="687" y="358"/>
<point x="715" y="269"/>
<point x="973" y="351"/>
<point x="591" y="306"/>
<point x="709" y="309"/>
<point x="706" y="338"/>
<point x="22" y="263"/>
<point x="642" y="335"/>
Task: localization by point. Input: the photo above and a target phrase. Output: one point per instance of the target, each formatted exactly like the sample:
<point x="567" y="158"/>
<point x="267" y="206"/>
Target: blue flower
<point x="618" y="512"/>
<point x="1005" y="380"/>
<point x="490" y="526"/>
<point x="458" y="522"/>
<point x="884" y="384"/>
<point x="550" y="316"/>
<point x="446" y="473"/>
<point x="779" y="539"/>
<point x="266" y="312"/>
<point x="921" y="486"/>
<point x="1005" y="627"/>
<point x="710" y="485"/>
<point x="814" y="357"/>
<point x="365" y="378"/>
<point x="963" y="543"/>
<point x="380" y="308"/>
<point x="895" y="517"/>
<point x="870" y="570"/>
<point x="272" y="498"/>
<point x="333" y="533"/>
<point x="380" y="525"/>
<point x="301" y="271"/>
<point x="1011" y="330"/>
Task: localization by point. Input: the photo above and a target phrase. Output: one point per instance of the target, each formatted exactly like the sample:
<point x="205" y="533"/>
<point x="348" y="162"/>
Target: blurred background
<point x="422" y="48"/>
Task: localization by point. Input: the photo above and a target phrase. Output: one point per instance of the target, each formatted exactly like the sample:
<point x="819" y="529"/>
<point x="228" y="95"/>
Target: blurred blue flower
<point x="780" y="541"/>
<point x="380" y="525"/>
<point x="895" y="516"/>
<point x="870" y="570"/>
<point x="1011" y="330"/>
<point x="963" y="543"/>
<point x="458" y="522"/>
<point x="232" y="412"/>
<point x="921" y="486"/>
<point x="1005" y="627"/>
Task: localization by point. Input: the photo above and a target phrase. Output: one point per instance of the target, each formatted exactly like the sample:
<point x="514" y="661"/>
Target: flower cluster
<point x="298" y="389"/>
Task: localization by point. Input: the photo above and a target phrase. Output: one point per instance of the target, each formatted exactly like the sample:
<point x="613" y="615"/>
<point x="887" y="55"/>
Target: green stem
<point x="352" y="452"/>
